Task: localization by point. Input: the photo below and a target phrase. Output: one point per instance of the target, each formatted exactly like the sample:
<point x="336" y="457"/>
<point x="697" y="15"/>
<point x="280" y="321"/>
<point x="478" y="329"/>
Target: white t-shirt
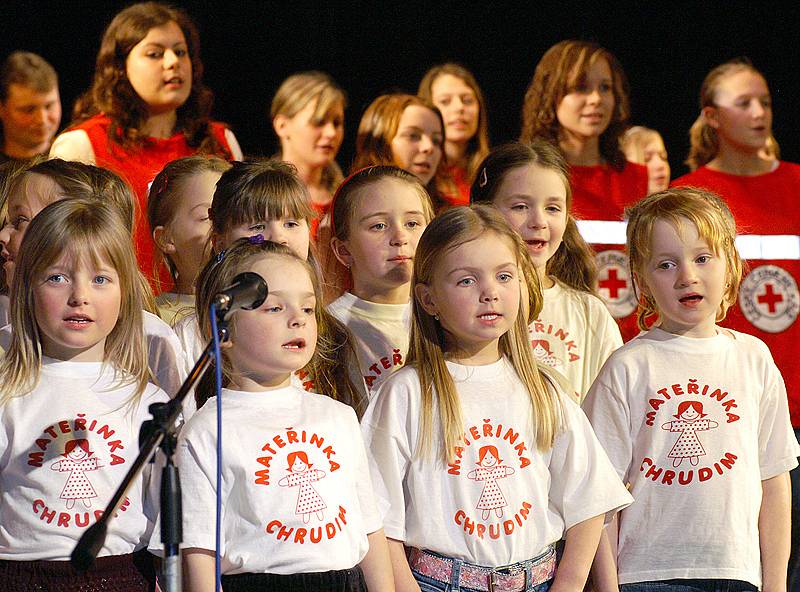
<point x="574" y="334"/>
<point x="487" y="513"/>
<point x="279" y="516"/>
<point x="696" y="477"/>
<point x="165" y="356"/>
<point x="381" y="333"/>
<point x="50" y="488"/>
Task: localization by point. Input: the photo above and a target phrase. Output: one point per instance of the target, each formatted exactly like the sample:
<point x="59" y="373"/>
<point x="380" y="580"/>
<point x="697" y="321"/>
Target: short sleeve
<point x="387" y="440"/>
<point x="777" y="446"/>
<point x="583" y="482"/>
<point x="608" y="340"/>
<point x="364" y="484"/>
<point x="73" y="145"/>
<point x="609" y="416"/>
<point x="164" y="354"/>
<point x="197" y="464"/>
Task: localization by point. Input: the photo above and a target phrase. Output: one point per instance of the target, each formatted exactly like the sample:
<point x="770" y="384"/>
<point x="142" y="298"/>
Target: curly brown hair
<point x="111" y="92"/>
<point x="560" y="70"/>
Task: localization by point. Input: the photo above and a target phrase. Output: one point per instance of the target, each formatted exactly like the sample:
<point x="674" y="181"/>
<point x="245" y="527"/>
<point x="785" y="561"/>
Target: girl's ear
<point x="163" y="239"/>
<point x="217" y="242"/>
<point x="710" y="115"/>
<point x="424" y="296"/>
<point x="342" y="253"/>
<point x="280" y="125"/>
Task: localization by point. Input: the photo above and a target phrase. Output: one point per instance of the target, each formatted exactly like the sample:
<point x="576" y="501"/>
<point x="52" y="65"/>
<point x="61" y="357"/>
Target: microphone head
<point x="259" y="287"/>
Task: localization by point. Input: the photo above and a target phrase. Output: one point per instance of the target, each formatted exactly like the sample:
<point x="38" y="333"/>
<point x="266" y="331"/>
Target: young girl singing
<point x="177" y="210"/>
<point x="694" y="417"/>
<point x="266" y="198"/>
<point x="734" y="154"/>
<point x="378" y="215"/>
<point x="55" y="179"/>
<point x="529" y="185"/>
<point x="473" y="517"/>
<point x="300" y="510"/>
<point x="73" y="394"/>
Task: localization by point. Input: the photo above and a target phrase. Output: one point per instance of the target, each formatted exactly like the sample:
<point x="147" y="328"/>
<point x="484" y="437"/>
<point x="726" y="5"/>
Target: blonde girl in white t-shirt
<point x="377" y="217"/>
<point x="74" y="390"/>
<point x="529" y="185"/>
<point x="485" y="460"/>
<point x="299" y="508"/>
<point x="693" y="416"/>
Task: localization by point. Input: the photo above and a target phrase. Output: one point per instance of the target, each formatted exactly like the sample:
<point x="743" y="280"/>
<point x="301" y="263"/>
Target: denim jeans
<point x="689" y="586"/>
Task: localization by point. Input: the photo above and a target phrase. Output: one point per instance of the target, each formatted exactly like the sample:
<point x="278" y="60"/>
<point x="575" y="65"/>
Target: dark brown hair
<point x="111" y="92"/>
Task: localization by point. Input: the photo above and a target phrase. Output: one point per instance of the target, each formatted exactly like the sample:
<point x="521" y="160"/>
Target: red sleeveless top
<point x="138" y="166"/>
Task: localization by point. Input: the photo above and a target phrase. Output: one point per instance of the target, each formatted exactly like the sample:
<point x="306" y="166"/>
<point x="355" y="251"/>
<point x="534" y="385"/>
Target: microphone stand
<point x="159" y="431"/>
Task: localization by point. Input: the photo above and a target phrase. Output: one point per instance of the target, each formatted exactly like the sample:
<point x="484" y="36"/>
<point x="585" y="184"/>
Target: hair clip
<point x="256" y="239"/>
<point x="220" y="256"/>
<point x="162" y="185"/>
<point x="484" y="178"/>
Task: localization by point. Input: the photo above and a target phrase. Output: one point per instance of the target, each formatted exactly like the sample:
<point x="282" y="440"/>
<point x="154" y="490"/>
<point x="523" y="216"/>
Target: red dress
<point x="600" y="194"/>
<point x="767" y="212"/>
<point x="138" y="166"/>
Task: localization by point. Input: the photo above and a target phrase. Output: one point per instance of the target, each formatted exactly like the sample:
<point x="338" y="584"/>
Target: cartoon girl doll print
<point x="689" y="422"/>
<point x="491" y="469"/>
<point x="78" y="460"/>
<point x="301" y="474"/>
<point x="544" y="354"/>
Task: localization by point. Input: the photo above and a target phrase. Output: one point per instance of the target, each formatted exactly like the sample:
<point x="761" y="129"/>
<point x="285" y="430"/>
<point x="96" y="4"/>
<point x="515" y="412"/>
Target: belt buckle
<point x="491" y="580"/>
<point x="493" y="573"/>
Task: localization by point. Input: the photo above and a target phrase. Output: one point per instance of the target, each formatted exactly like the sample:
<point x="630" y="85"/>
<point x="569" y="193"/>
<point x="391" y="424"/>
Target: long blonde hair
<point x="80" y="229"/>
<point x="703" y="139"/>
<point x="714" y="223"/>
<point x="427" y="350"/>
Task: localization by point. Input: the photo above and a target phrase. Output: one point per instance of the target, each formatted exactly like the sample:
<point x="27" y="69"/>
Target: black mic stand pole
<point x="160" y="431"/>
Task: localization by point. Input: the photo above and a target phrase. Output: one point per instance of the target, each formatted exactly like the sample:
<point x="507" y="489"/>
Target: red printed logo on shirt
<point x="492" y="449"/>
<point x="297" y="456"/>
<point x="380" y="369"/>
<point x="79" y="449"/>
<point x="614" y="284"/>
<point x="769" y="298"/>
<point x="695" y="412"/>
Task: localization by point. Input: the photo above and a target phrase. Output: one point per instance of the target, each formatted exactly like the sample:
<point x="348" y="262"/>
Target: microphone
<point x="247" y="291"/>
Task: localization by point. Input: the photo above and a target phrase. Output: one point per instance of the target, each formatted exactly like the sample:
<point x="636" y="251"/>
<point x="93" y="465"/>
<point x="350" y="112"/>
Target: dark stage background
<point x="370" y="48"/>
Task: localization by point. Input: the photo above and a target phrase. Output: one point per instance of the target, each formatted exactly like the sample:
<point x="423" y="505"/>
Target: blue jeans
<point x="689" y="586"/>
<point x="427" y="584"/>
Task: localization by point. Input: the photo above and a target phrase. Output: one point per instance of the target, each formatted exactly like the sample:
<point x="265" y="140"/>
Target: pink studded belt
<point x="509" y="578"/>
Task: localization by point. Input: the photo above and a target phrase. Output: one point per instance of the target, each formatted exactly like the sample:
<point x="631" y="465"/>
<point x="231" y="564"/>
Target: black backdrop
<point x="370" y="48"/>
